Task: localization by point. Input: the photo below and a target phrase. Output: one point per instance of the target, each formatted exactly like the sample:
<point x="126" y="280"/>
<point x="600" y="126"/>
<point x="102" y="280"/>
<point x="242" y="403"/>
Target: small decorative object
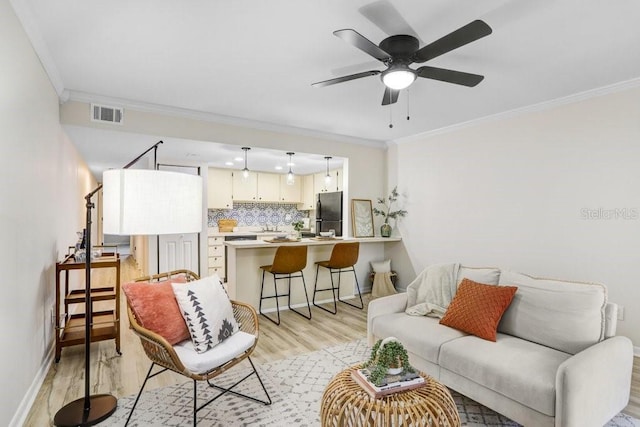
<point x="362" y="217"/>
<point x="388" y="357"/>
<point x="298" y="226"/>
<point x="386" y="212"/>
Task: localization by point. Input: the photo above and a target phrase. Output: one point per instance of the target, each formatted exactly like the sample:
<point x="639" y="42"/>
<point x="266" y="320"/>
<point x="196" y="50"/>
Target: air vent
<point x="106" y="114"/>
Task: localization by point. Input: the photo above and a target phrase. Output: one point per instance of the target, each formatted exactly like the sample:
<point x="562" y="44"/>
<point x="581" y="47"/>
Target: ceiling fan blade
<point x="361" y="42"/>
<point x="471" y="32"/>
<point x="449" y="76"/>
<point x="386" y="17"/>
<point x="390" y="96"/>
<point x="345" y="78"/>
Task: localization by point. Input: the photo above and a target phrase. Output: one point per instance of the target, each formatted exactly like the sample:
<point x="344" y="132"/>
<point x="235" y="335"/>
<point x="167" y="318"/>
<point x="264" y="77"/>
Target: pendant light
<point x="327" y="177"/>
<point x="245" y="171"/>
<point x="291" y="179"/>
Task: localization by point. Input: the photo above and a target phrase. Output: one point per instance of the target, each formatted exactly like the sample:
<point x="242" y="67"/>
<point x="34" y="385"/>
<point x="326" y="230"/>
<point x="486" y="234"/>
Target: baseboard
<point x="304" y="304"/>
<point x="27" y="401"/>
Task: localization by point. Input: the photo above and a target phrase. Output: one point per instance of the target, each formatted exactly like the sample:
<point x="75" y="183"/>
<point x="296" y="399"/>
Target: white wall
<point x="365" y="169"/>
<point x="512" y="192"/>
<point x="42" y="182"/>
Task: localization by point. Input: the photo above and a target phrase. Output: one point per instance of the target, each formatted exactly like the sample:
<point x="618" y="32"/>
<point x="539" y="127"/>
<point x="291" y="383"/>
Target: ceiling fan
<point x="398" y="52"/>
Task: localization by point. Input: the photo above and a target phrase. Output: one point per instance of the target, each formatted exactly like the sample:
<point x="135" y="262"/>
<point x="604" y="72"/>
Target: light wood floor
<point x="123" y="375"/>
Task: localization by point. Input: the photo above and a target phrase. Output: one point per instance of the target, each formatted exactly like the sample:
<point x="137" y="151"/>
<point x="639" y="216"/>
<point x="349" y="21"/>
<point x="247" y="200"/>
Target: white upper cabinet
<point x="321" y="185"/>
<point x="291" y="193"/>
<point x="268" y="187"/>
<point x="219" y="189"/>
<point x="308" y="193"/>
<point x="245" y="189"/>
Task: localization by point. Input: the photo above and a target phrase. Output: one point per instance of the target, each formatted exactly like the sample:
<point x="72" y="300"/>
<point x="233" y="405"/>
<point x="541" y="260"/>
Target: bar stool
<point x="288" y="260"/>
<point x="344" y="257"/>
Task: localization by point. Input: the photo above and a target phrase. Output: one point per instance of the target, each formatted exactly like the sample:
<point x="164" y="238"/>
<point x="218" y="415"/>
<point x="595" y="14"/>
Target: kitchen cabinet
<point x="319" y="185"/>
<point x="268" y="187"/>
<point x="291" y="193"/>
<point x="105" y="321"/>
<point x="335" y="184"/>
<point x="220" y="189"/>
<point x="245" y="189"/>
<point x="308" y="193"/>
<point x="216" y="256"/>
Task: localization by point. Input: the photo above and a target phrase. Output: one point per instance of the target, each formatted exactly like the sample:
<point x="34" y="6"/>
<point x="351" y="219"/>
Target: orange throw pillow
<point x="477" y="308"/>
<point x="156" y="309"/>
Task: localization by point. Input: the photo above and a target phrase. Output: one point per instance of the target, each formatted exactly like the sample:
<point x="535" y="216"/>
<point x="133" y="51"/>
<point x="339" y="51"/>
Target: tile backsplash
<point x="258" y="214"/>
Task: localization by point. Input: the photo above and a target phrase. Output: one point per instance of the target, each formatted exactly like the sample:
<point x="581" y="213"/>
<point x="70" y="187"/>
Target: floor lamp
<point x="135" y="202"/>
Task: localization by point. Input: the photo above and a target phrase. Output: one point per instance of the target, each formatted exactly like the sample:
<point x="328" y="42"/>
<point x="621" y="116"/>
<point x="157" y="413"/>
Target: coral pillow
<point x="477" y="308"/>
<point x="156" y="309"/>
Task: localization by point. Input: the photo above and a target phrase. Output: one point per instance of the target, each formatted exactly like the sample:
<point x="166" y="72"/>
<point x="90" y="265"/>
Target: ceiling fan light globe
<point x="398" y="79"/>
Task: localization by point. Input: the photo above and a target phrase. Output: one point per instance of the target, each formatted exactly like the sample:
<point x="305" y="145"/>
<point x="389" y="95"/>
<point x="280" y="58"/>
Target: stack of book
<point x="391" y="383"/>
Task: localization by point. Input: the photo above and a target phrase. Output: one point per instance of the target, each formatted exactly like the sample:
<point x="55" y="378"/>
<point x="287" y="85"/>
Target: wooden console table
<point x="70" y="327"/>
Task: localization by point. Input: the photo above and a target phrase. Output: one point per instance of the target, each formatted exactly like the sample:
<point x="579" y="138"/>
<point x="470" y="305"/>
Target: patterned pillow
<point x="207" y="310"/>
<point x="156" y="309"/>
<point x="477" y="308"/>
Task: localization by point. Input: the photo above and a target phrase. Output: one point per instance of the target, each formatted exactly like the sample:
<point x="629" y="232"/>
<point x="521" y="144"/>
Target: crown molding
<point x="78" y="96"/>
<point x="28" y="21"/>
<point x="542" y="106"/>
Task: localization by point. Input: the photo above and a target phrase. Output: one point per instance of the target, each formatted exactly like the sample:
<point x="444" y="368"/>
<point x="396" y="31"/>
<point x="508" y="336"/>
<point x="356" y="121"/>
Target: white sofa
<point x="556" y="360"/>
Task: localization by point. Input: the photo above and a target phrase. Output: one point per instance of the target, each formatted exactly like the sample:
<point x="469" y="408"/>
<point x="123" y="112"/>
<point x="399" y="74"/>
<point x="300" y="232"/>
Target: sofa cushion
<point x="522" y="370"/>
<point x="477" y="308"/>
<point x="567" y="316"/>
<point x="488" y="275"/>
<point x="419" y="334"/>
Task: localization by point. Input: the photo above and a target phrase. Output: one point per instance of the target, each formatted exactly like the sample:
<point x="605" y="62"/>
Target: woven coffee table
<point x="346" y="404"/>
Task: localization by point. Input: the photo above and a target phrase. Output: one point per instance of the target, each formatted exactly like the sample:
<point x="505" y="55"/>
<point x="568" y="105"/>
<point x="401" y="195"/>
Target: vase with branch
<point x="386" y="212"/>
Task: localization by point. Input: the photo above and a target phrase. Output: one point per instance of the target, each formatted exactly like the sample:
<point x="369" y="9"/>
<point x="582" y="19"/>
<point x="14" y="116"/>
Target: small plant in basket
<point x="388" y="356"/>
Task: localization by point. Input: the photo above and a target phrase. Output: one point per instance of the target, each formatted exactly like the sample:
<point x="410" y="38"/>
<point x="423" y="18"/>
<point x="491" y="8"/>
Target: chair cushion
<point x="156" y="309"/>
<point x="201" y="363"/>
<point x="207" y="310"/>
<point x="476" y="308"/>
<point x="520" y="369"/>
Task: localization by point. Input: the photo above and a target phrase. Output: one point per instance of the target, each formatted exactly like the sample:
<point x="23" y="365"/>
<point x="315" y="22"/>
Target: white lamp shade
<point x="143" y="202"/>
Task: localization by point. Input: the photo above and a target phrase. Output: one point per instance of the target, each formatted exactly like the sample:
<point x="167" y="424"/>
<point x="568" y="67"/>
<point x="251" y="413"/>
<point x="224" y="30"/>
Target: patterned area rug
<point x="295" y="384"/>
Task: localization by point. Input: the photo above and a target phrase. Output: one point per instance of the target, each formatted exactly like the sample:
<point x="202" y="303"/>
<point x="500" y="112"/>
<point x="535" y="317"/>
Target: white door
<point x="179" y="251"/>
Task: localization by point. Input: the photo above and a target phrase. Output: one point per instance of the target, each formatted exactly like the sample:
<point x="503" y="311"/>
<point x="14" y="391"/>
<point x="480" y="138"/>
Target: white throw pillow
<point x="207" y="310"/>
<point x="381" y="266"/>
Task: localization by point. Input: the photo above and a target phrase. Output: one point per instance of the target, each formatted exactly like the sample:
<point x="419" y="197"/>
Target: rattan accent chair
<point x="162" y="354"/>
<point x="287" y="261"/>
<point x="344" y="257"/>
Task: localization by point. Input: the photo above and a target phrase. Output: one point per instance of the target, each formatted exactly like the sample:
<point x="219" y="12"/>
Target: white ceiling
<point x="255" y="60"/>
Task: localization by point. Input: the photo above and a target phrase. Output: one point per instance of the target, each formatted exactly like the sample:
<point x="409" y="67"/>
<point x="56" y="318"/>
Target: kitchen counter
<point x="244" y="258"/>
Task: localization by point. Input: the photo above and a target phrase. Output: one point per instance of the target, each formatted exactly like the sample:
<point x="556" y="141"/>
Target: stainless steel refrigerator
<point x="329" y="212"/>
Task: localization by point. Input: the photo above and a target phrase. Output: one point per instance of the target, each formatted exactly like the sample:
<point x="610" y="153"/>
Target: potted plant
<point x="386" y="212"/>
<point x="297" y="226"/>
<point x="388" y="357"/>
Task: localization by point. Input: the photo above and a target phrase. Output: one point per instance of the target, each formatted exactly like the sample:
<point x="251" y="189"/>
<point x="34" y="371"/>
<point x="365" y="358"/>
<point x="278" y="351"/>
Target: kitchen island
<point x="244" y="276"/>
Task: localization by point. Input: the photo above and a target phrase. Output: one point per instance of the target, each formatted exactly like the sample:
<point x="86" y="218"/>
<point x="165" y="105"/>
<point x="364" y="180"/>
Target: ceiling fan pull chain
<point x="390" y="115"/>
<point x="408" y="116"/>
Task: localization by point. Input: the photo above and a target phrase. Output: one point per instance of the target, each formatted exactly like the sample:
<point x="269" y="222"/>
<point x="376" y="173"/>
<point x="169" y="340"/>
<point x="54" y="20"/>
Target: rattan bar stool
<point x="344" y="257"/>
<point x="287" y="261"/>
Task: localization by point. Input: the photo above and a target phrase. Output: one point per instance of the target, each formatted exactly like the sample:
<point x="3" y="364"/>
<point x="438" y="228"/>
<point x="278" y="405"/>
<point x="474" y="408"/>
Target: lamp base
<point x="73" y="414"/>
